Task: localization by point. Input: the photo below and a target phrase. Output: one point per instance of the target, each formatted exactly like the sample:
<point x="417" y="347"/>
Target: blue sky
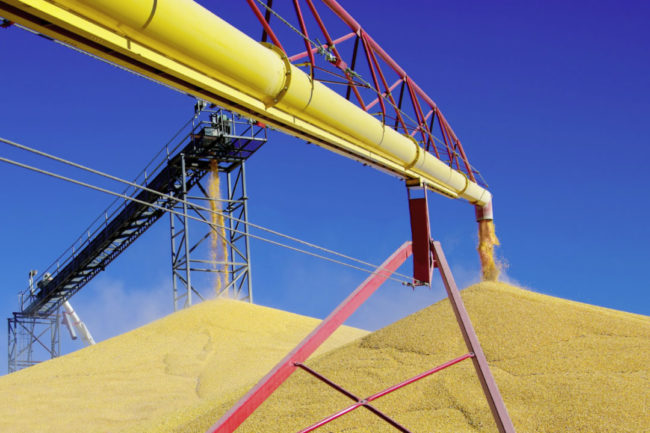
<point x="550" y="99"/>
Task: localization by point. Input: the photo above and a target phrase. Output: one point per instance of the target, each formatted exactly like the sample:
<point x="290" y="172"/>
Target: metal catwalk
<point x="224" y="137"/>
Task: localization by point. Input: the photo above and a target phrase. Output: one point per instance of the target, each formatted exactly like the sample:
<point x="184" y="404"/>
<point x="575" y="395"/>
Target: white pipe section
<point x="484" y="212"/>
<point x="74" y="322"/>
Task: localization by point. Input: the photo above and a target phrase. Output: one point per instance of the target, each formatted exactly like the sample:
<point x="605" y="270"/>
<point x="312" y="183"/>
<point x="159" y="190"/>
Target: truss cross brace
<point x="428" y="255"/>
<point x="189" y="240"/>
<point x="281" y="372"/>
<point x="32" y="339"/>
<point x="366" y="401"/>
<point x="490" y="389"/>
<point x="362" y="402"/>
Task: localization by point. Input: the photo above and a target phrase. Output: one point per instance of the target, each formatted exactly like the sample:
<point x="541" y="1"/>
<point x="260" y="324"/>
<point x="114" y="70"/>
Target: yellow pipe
<point x="184" y="45"/>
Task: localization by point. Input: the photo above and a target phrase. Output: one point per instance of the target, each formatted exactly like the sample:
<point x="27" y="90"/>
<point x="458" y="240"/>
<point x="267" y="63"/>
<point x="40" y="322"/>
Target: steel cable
<point x="376" y="269"/>
<point x="181" y="201"/>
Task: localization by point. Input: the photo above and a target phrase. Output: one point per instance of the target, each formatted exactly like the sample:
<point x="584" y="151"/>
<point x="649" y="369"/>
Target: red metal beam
<point x="422" y="122"/>
<point x="420" y="233"/>
<point x="264" y="388"/>
<point x="390" y="89"/>
<point x="303" y="28"/>
<point x="429" y="130"/>
<point x="356" y="28"/>
<point x="431" y="123"/>
<point x="441" y="119"/>
<point x="385" y="392"/>
<point x="265" y="24"/>
<point x="339" y="61"/>
<point x="420" y="376"/>
<point x="374" y="76"/>
<point x="315" y="50"/>
<point x="445" y="139"/>
<point x="351" y="396"/>
<point x="490" y="389"/>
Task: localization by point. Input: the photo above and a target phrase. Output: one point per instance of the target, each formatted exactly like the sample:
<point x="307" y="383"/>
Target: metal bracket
<point x="420" y="233"/>
<point x="287" y="74"/>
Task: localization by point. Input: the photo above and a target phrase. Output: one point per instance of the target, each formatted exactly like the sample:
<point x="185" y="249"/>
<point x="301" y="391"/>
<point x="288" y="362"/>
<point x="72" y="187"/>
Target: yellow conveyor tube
<point x="183" y="44"/>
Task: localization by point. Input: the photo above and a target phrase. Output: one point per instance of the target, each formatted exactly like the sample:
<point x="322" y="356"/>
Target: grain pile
<point x="561" y="367"/>
<point x="210" y="350"/>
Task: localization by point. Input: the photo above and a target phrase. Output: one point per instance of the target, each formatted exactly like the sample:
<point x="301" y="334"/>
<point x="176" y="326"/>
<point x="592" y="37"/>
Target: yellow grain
<point x="487" y="239"/>
<point x="209" y="350"/>
<point x="561" y="366"/>
<point x="218" y="242"/>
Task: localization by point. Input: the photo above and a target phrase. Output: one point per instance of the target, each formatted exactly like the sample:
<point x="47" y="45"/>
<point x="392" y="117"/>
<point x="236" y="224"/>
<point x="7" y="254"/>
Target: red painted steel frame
<point x="315" y="50"/>
<point x="490" y="389"/>
<point x="303" y="28"/>
<point x="256" y="396"/>
<point x="385" y="392"/>
<point x="420" y="233"/>
<point x="264" y="22"/>
<point x="420" y="230"/>
<point x="413" y="125"/>
<point x="348" y="394"/>
<point x="356" y="27"/>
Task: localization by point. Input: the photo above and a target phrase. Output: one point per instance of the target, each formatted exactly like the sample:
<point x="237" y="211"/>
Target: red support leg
<point x="490" y="388"/>
<point x="420" y="233"/>
<point x="264" y="388"/>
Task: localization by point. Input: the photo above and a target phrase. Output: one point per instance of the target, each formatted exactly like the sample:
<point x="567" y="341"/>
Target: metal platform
<point x="175" y="170"/>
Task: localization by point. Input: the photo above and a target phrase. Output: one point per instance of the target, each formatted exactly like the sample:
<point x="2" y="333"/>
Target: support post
<point x="172" y="237"/>
<point x="192" y="264"/>
<point x="247" y="246"/>
<point x="32" y="339"/>
<point x="240" y="282"/>
<point x="188" y="281"/>
<point x="427" y="255"/>
<point x="265" y="387"/>
<point x="490" y="389"/>
<point x="420" y="232"/>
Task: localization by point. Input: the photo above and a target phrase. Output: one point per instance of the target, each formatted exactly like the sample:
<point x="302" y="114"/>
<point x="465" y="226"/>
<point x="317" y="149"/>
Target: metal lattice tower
<point x="175" y="172"/>
<point x="190" y="239"/>
<point x="32" y="340"/>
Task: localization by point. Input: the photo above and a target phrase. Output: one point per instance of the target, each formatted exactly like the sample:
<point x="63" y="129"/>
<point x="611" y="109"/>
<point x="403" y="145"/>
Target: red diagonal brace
<point x="348" y="394"/>
<point x="384" y="392"/>
<point x="490" y="389"/>
<point x="264" y="388"/>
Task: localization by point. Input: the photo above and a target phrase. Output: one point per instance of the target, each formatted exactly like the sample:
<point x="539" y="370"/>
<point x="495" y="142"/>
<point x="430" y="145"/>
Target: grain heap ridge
<point x="561" y="366"/>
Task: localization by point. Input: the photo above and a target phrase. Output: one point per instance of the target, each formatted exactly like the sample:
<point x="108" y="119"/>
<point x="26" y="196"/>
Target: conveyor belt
<point x="204" y="144"/>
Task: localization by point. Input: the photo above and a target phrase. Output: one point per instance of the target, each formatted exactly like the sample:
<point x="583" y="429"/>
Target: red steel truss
<point x="425" y="258"/>
<point x="265" y="387"/>
<point x="349" y="60"/>
<point x="366" y="401"/>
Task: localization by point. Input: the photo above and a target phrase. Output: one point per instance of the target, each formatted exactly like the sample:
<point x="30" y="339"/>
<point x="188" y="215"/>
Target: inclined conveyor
<point x="207" y="140"/>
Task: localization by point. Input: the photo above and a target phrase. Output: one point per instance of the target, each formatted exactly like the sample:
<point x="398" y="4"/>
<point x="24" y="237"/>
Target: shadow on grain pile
<point x="561" y="366"/>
